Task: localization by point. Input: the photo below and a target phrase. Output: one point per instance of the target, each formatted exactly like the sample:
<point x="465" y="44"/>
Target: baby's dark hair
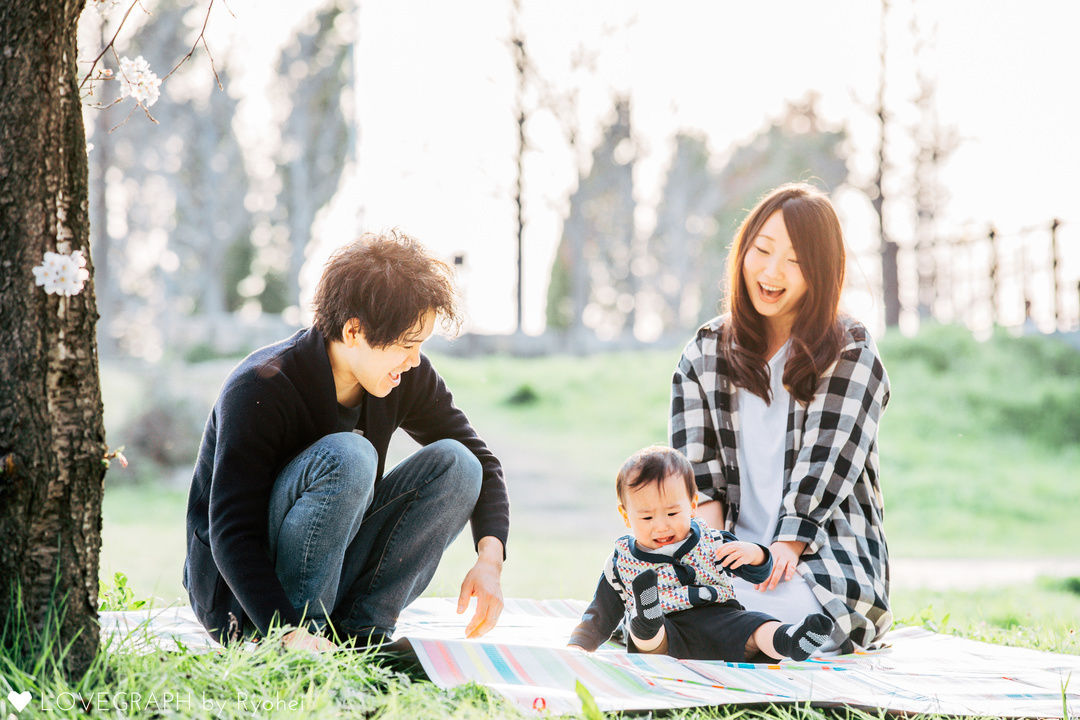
<point x="651" y="466"/>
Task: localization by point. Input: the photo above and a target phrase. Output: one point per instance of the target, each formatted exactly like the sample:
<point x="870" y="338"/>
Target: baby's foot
<point x="649" y="617"/>
<point x="800" y="642"/>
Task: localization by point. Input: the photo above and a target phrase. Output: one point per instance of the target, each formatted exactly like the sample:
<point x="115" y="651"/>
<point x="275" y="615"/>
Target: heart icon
<point x="19" y="700"/>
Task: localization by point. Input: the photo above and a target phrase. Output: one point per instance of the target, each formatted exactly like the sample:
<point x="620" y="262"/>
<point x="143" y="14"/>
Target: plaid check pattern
<point x="832" y="498"/>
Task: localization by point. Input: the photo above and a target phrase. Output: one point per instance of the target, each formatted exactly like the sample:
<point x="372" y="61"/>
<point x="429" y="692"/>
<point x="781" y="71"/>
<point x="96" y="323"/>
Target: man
<point x="291" y="518"/>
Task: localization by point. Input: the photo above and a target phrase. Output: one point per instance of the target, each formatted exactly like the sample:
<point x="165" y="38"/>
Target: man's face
<point x="659" y="515"/>
<point x="378" y="370"/>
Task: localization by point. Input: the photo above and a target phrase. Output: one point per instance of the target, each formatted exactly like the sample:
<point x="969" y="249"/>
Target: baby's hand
<point x="732" y="555"/>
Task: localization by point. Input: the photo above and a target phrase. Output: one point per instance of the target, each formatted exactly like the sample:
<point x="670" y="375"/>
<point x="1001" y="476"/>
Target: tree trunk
<point x="890" y="273"/>
<point x="51" y="431"/>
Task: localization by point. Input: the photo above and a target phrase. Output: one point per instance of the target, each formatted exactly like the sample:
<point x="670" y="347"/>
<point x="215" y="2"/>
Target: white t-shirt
<point x="762" y="444"/>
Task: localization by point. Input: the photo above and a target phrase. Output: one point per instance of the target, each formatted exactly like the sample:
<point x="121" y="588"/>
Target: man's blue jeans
<point x="355" y="552"/>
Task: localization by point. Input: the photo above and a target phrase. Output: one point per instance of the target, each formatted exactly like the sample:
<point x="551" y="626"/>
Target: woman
<point x="777" y="404"/>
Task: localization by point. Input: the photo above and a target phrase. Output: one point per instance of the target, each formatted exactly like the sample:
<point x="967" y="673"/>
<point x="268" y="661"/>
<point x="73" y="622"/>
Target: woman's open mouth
<point x="771" y="293"/>
<point x="395" y="378"/>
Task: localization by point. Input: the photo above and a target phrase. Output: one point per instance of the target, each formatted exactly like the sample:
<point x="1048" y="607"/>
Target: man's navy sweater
<point x="277" y="402"/>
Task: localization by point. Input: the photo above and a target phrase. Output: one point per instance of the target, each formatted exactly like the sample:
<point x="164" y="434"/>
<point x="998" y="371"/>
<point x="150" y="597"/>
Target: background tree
<point x="600" y="276"/>
<point x="177" y="191"/>
<point x="52" y="439"/>
<point x="592" y="283"/>
<point x="890" y="270"/>
<point x="934" y="143"/>
<point x="684" y="220"/>
<point x="798" y="146"/>
<point x="315" y="73"/>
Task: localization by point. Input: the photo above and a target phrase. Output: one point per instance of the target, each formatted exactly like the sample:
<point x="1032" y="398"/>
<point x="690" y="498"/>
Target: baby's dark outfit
<point x="702" y="618"/>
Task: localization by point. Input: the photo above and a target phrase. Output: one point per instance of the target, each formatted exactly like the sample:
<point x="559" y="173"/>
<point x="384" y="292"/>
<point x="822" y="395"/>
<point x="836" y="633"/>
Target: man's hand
<point x="785" y="559"/>
<point x="736" y="554"/>
<point x="484" y="582"/>
<point x="301" y="639"/>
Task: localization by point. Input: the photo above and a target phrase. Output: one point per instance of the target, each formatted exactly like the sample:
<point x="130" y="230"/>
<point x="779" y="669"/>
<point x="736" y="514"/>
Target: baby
<point x="670" y="577"/>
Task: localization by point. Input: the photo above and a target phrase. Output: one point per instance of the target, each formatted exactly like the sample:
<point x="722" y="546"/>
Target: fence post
<point x="1022" y="268"/>
<point x="1059" y="308"/>
<point x="993" y="275"/>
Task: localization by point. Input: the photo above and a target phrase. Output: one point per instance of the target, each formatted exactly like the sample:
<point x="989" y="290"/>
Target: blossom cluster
<point x="104" y="6"/>
<point x="62" y="274"/>
<point x="138" y="81"/>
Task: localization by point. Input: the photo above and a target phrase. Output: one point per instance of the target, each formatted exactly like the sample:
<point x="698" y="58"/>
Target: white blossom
<point x="62" y="274"/>
<point x="138" y="81"/>
<point x="104" y="6"/>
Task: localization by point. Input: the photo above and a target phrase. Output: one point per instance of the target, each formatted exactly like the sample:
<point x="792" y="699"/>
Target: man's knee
<point x="352" y="456"/>
<point x="464" y="472"/>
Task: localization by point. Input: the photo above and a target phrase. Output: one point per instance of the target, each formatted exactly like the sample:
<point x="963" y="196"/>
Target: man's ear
<point x="625" y="517"/>
<point x="350" y="332"/>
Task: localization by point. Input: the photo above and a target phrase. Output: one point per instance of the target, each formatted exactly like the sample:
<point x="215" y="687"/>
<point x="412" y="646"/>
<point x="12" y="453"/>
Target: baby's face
<point x="659" y="515"/>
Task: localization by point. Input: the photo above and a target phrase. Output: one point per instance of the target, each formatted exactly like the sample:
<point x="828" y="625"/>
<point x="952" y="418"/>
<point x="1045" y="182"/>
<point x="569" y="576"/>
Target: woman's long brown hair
<point x="817" y="333"/>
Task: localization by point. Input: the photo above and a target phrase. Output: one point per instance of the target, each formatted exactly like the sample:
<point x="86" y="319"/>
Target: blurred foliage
<point x="798" y="147"/>
<point x="314" y="82"/>
<point x="523" y="395"/>
<point x="162" y="435"/>
<point x="206" y="352"/>
<point x="187" y="221"/>
<point x="956" y="482"/>
<point x="1024" y="386"/>
<point x="594" y="271"/>
<point x="684" y="221"/>
<point x="602" y="276"/>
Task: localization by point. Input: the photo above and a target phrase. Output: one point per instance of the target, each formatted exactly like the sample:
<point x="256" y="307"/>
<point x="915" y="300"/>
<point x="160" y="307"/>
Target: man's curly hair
<point x="389" y="282"/>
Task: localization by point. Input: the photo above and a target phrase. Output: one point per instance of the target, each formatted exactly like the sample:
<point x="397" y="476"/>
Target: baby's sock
<point x="798" y="643"/>
<point x="649" y="618"/>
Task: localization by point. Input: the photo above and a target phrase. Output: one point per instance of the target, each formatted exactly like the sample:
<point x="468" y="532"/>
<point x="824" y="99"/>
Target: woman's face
<point x="772" y="275"/>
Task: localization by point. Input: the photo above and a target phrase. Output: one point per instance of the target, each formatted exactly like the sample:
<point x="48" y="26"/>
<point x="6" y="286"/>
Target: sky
<point x="437" y="133"/>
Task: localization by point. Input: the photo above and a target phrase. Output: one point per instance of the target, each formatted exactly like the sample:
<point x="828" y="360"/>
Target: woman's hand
<point x="785" y="555"/>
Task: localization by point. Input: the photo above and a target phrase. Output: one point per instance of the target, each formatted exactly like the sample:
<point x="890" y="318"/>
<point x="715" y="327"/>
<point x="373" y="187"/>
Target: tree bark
<point x="51" y="430"/>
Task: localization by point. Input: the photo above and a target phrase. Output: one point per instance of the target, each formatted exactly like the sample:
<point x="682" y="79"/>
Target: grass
<point x="237" y="682"/>
<point x="973" y="461"/>
<point x="973" y="455"/>
<point x="269" y="681"/>
<point x="1043" y="616"/>
<point x="590" y="408"/>
<point x="979" y="450"/>
<point x="973" y="447"/>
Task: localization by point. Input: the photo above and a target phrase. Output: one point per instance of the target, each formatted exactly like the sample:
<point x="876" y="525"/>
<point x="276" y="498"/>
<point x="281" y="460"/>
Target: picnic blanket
<point x="525" y="660"/>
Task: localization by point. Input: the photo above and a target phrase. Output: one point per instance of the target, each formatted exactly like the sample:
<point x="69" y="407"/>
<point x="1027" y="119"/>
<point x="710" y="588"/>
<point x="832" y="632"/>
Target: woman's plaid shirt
<point x="832" y="500"/>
